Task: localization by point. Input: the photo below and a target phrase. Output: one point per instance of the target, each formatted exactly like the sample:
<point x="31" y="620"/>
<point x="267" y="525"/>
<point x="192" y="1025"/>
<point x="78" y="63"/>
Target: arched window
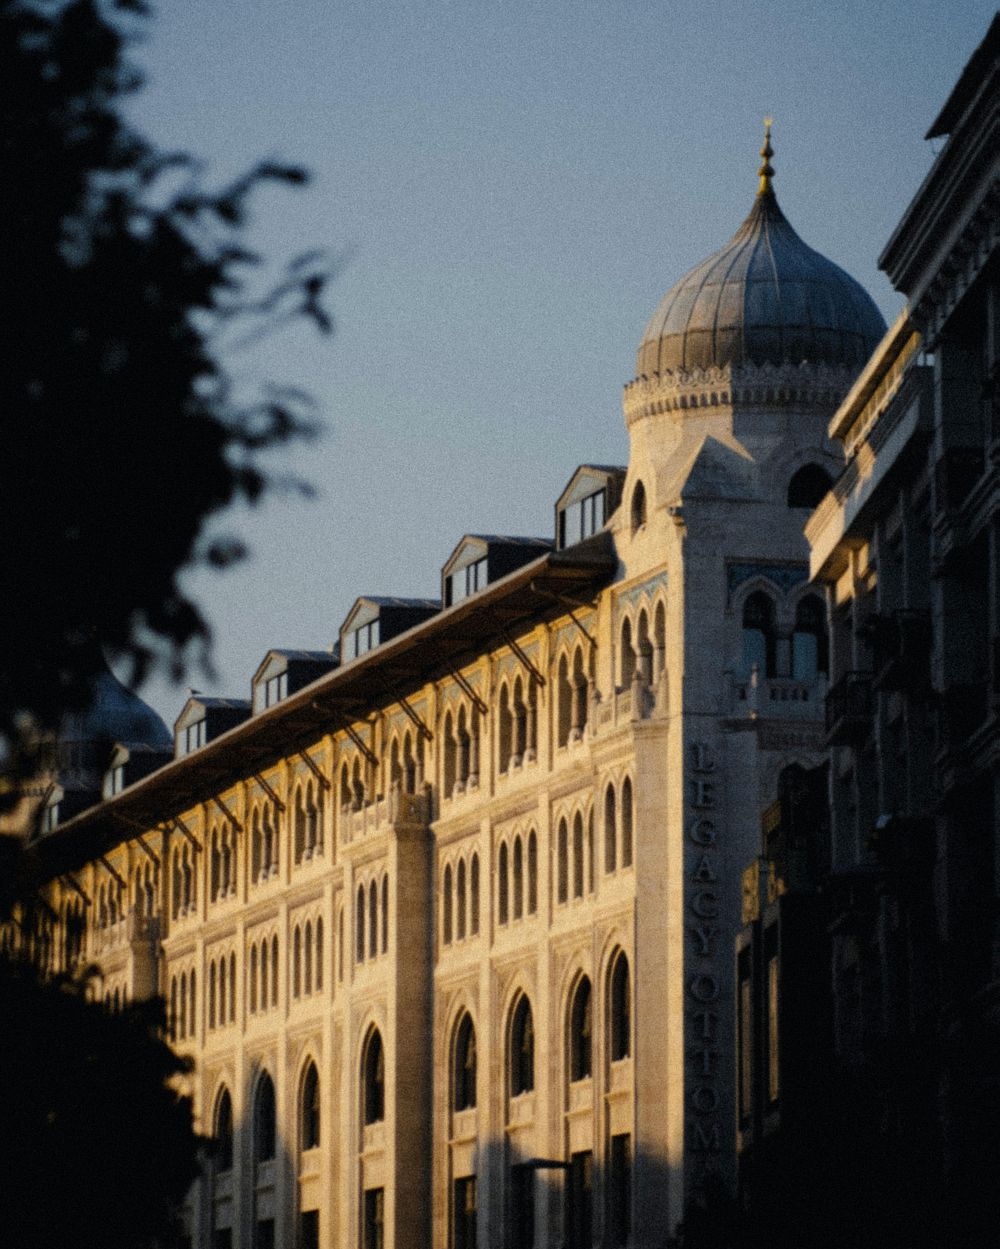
<point x="211" y="995"/>
<point x="216" y="866"/>
<point x="222" y="990"/>
<point x="465" y="1064"/>
<point x="372" y="920"/>
<point x="506" y="730"/>
<point x="522" y="1049"/>
<point x="274" y="970"/>
<point x="253" y="979"/>
<point x="446" y="907"/>
<point x="590" y="851"/>
<point x="610" y="832"/>
<point x="627" y="822"/>
<point x="758" y="636"/>
<point x="503" y="885"/>
<point x="373" y="1079"/>
<point x="578" y="855"/>
<point x="222" y="1132"/>
<point x="307" y="977"/>
<point x="319" y="954"/>
<point x="296" y="962"/>
<point x="264" y="1122"/>
<point x="232" y="988"/>
<point x="474" y="896"/>
<point x="310" y="1108"/>
<point x="385" y="914"/>
<point x="340" y="945"/>
<point x="627" y="654"/>
<point x="565" y="701"/>
<point x="532" y="873"/>
<point x="809" y="641"/>
<point x="808" y="486"/>
<point x="581" y="1032"/>
<point x="346" y="796"/>
<point x="360" y="923"/>
<point x="299" y="826"/>
<point x="621" y="1010"/>
<point x="638" y="506"/>
<point x="518" y="878"/>
<point x="173" y="1006"/>
<point x="562" y="862"/>
<point x="460" y="900"/>
<point x="263" y="975"/>
<point x="256" y="846"/>
<point x="644" y="649"/>
<point x="449" y="756"/>
<point x="659" y="641"/>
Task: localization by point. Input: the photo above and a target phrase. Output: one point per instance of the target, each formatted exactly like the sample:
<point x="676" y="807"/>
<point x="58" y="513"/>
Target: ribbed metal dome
<point x="764" y="298"/>
<point x="115" y="714"/>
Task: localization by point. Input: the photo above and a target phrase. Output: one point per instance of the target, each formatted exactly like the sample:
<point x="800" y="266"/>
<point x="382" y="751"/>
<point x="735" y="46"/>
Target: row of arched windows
<point x="307" y="958"/>
<point x="110" y="904"/>
<point x="574" y="676"/>
<point x="183" y="881"/>
<point x="642" y="653"/>
<point x="618" y="828"/>
<point x="307" y="823"/>
<point x="262" y="975"/>
<point x="460" y="742"/>
<point x="183" y="1005"/>
<point x="145" y="889"/>
<point x="222" y="862"/>
<point x="517" y="878"/>
<point x="263" y="844"/>
<point x="517" y="723"/>
<point x="222" y="991"/>
<point x="460" y="900"/>
<point x="802" y="657"/>
<point x="371" y="936"/>
<point x="575" y="859"/>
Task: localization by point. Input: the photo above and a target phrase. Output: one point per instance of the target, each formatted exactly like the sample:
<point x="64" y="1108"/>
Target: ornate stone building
<point x="446" y="917"/>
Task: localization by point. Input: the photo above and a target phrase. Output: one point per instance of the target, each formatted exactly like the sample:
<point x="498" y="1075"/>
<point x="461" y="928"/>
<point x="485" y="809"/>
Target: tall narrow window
<point x="297" y="962"/>
<point x="253" y="979"/>
<point x="360" y="924"/>
<point x="503" y="885"/>
<point x="222" y="990"/>
<point x="610" y="832"/>
<point x="465" y="1064"/>
<point x="578" y="856"/>
<point x="372" y="920"/>
<point x="446" y="907"/>
<point x="590" y="851"/>
<point x="522" y="1049"/>
<point x="374" y="1218"/>
<point x="319" y="954"/>
<point x="465" y="1213"/>
<point x="223" y="1132"/>
<point x="759" y="650"/>
<point x="562" y="862"/>
<point x="263" y="975"/>
<point x="565" y="703"/>
<point x="627" y="822"/>
<point x="621" y="1010"/>
<point x="307" y="952"/>
<point x="638" y="506"/>
<point x="809" y="640"/>
<point x="211" y="995"/>
<point x="310" y="1108"/>
<point x="264" y="1134"/>
<point x="505" y="736"/>
<point x="580" y="1201"/>
<point x="460" y="900"/>
<point x="373" y="1079"/>
<point x="581" y="1032"/>
<point x="518" y="878"/>
<point x="232" y="988"/>
<point x="474" y="896"/>
<point x="385" y="914"/>
<point x="532" y="873"/>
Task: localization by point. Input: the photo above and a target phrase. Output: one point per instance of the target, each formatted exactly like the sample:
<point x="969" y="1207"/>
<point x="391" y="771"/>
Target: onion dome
<point x="764" y="298"/>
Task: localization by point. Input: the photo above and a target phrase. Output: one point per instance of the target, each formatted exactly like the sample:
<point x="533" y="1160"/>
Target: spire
<point x="765" y="171"/>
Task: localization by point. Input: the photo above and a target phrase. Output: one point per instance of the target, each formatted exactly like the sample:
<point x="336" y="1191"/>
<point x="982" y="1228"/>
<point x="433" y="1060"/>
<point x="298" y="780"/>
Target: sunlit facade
<point x="446" y="920"/>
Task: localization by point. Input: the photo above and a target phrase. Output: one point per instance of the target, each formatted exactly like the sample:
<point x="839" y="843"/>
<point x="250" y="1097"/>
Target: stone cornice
<point x="744" y="386"/>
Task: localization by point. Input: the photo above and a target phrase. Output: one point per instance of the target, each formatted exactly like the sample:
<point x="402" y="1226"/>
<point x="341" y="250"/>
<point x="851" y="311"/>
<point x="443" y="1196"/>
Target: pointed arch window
<point x="373" y="1079"/>
<point x="581" y="1032"/>
<point x="474" y="896"/>
<point x="808" y="486"/>
<point x="518" y="878"/>
<point x="562" y="862"/>
<point x="460" y="900"/>
<point x="532" y="873"/>
<point x="223" y="1132"/>
<point x="627" y="815"/>
<point x="503" y="885"/>
<point x="638" y="506"/>
<point x="610" y="831"/>
<point x="809" y="640"/>
<point x="522" y="1049"/>
<point x="578" y="863"/>
<point x="621" y="1010"/>
<point x="446" y="907"/>
<point x="264" y="1121"/>
<point x="759" y="636"/>
<point x="310" y="1108"/>
<point x="465" y="1064"/>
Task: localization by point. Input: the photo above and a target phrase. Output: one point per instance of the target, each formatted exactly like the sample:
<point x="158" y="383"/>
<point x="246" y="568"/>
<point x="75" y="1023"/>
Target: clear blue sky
<point x="515" y="185"/>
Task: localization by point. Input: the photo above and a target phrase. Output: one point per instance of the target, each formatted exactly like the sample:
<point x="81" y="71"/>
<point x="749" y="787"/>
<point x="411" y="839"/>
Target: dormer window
<point x="361" y="640"/>
<point x="193" y="736"/>
<point x="584" y="507"/>
<point x="275" y="689"/>
<point x="114" y="781"/>
<point x="465" y="581"/>
<point x="50" y="817"/>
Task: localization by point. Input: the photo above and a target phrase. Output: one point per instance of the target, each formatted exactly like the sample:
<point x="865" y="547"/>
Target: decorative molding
<point x="784" y="576"/>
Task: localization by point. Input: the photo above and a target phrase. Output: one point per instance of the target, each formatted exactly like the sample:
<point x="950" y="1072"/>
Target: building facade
<point x="446" y="917"/>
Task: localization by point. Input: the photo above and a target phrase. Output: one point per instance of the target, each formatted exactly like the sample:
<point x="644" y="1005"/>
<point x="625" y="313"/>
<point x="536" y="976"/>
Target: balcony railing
<point x="849" y="709"/>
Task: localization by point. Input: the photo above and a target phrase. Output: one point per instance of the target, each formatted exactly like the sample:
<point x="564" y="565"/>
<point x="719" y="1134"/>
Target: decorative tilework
<point x="785" y="576"/>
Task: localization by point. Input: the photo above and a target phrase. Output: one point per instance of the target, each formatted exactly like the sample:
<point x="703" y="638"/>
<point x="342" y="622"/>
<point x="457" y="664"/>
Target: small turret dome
<point x="764" y="298"/>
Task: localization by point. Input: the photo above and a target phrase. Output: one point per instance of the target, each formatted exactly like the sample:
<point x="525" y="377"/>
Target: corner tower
<point x="738" y="372"/>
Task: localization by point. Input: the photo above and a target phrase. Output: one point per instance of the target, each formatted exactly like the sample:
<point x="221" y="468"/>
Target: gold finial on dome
<point x="765" y="171"/>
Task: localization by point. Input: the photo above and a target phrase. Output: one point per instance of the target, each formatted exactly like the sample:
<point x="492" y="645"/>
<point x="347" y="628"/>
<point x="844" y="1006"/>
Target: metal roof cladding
<point x="764" y="298"/>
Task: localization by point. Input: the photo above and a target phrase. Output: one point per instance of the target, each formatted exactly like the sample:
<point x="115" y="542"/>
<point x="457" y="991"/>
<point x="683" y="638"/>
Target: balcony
<point x="781" y="698"/>
<point x="397" y="808"/>
<point x="849" y="709"/>
<point x="901" y="644"/>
